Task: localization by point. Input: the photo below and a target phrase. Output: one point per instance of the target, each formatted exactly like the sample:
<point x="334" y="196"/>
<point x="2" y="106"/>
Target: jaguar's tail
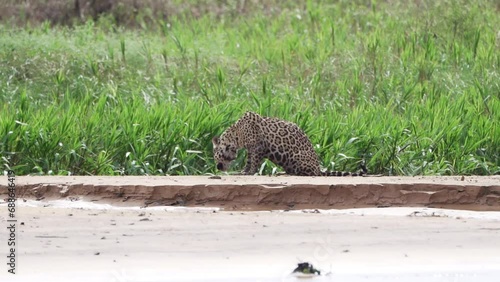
<point x="363" y="171"/>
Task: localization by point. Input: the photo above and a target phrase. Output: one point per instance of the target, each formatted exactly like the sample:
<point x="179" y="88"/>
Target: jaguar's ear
<point x="215" y="141"/>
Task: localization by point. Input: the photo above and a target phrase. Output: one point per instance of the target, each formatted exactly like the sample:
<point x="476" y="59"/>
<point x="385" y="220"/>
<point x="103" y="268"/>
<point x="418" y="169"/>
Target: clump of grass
<point x="412" y="89"/>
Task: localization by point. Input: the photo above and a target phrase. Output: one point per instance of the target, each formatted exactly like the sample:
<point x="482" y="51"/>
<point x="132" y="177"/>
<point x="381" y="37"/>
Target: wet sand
<point x="80" y="241"/>
<point x="248" y="228"/>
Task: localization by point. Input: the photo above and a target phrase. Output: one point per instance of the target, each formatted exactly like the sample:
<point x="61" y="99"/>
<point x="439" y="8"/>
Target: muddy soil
<point x="267" y="193"/>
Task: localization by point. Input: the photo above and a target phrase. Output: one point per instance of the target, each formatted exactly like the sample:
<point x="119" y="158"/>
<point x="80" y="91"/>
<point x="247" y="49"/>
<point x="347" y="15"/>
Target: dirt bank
<point x="264" y="193"/>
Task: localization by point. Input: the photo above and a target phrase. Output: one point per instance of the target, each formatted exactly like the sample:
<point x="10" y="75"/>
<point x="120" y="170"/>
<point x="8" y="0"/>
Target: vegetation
<point x="412" y="87"/>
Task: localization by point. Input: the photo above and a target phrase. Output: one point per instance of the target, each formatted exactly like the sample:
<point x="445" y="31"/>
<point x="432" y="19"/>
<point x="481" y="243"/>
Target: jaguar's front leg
<point x="248" y="165"/>
<point x="254" y="160"/>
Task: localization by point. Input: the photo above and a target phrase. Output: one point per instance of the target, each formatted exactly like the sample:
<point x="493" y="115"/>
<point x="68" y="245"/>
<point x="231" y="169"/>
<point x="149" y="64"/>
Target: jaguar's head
<point x="224" y="153"/>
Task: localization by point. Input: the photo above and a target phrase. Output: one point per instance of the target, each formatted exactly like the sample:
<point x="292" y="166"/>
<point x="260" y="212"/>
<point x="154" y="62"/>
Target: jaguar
<point x="280" y="141"/>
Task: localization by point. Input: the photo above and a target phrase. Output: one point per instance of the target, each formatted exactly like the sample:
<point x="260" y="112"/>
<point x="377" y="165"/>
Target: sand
<point x="66" y="237"/>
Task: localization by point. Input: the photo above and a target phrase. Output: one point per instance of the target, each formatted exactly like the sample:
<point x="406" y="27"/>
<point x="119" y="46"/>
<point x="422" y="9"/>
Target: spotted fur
<point x="282" y="142"/>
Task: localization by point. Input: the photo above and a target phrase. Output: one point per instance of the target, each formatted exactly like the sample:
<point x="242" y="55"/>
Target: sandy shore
<point x="79" y="241"/>
<point x="249" y="228"/>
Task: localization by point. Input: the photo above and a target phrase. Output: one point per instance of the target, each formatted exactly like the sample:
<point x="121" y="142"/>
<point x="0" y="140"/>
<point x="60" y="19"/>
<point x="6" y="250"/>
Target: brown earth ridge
<point x="267" y="193"/>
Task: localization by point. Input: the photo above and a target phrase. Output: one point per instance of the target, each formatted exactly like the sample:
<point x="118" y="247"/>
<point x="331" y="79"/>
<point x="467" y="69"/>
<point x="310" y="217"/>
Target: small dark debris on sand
<point x="306" y="268"/>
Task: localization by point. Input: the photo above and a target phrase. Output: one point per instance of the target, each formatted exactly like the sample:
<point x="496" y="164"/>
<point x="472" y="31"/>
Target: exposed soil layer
<point x="266" y="193"/>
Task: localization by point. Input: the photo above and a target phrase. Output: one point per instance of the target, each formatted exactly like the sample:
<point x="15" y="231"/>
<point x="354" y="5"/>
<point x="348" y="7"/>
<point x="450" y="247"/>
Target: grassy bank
<point x="412" y="88"/>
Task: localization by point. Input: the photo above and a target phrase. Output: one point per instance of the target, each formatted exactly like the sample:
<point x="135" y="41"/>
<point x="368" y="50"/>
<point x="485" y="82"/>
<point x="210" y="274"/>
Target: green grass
<point x="413" y="88"/>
